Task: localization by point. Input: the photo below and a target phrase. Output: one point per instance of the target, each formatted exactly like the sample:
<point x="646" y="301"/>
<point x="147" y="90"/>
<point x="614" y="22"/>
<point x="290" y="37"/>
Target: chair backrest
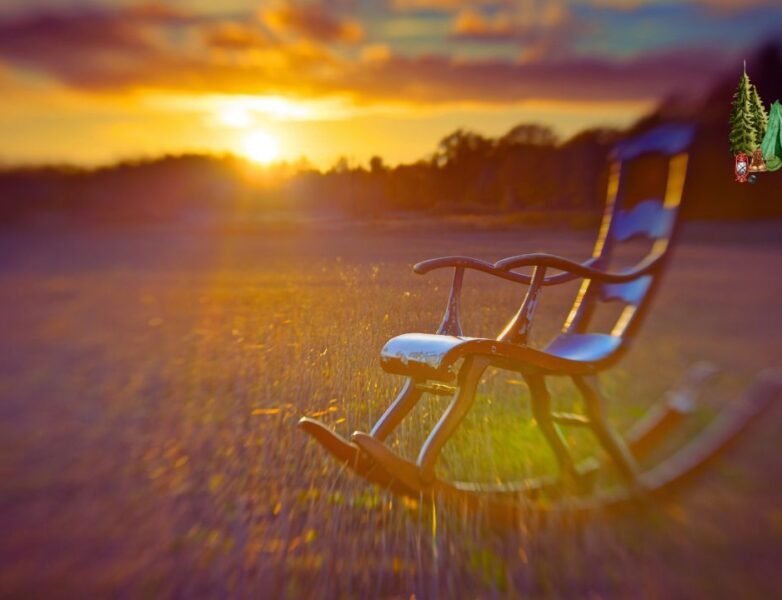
<point x="655" y="219"/>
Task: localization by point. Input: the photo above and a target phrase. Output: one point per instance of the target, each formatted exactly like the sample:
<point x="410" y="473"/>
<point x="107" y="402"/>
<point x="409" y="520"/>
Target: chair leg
<point x="541" y="410"/>
<point x="408" y="397"/>
<point x="610" y="440"/>
<point x="469" y="377"/>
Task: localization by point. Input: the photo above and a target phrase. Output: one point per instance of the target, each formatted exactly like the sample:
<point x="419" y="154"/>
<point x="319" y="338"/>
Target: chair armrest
<point x="465" y="262"/>
<point x="518" y="328"/>
<point x="459" y="261"/>
<point x="584" y="270"/>
<point x="451" y="323"/>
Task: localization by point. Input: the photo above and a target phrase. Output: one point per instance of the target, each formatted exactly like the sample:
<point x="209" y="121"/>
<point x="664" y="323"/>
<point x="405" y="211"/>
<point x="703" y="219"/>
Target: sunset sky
<point x="96" y="81"/>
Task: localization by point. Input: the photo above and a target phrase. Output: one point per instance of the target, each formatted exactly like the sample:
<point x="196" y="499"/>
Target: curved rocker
<point x="431" y="363"/>
<point x="350" y="455"/>
<point x="658" y="482"/>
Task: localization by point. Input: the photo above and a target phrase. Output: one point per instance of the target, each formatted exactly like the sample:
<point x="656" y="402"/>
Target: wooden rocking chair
<point x="431" y="362"/>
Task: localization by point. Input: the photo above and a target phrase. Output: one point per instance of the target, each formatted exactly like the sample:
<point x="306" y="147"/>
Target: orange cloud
<point x="375" y="53"/>
<point x="313" y="22"/>
<point x="235" y="36"/>
<point x="525" y="22"/>
<point x="470" y="23"/>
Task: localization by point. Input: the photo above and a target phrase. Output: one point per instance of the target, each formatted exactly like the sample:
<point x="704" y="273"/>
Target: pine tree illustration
<point x="759" y="114"/>
<point x="743" y="136"/>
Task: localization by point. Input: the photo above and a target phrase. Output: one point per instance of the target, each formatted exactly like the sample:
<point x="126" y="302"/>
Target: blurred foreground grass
<point x="150" y="382"/>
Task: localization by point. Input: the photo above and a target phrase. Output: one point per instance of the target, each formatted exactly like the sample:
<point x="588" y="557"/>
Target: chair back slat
<point x="648" y="218"/>
<point x="667" y="139"/>
<point x="653" y="219"/>
<point x="632" y="292"/>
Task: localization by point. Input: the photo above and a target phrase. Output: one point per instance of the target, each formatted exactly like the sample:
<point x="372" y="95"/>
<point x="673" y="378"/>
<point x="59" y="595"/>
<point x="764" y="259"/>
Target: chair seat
<point x="433" y="356"/>
<point x="586" y="347"/>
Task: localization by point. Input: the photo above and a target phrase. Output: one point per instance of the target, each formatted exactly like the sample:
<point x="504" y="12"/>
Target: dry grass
<point x="151" y="382"/>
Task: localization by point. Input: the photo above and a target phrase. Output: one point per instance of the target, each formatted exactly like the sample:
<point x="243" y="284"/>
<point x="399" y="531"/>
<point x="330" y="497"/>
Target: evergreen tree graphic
<point x="743" y="135"/>
<point x="760" y="116"/>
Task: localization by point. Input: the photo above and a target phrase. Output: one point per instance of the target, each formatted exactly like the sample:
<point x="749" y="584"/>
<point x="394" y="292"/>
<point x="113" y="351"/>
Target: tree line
<point x="526" y="170"/>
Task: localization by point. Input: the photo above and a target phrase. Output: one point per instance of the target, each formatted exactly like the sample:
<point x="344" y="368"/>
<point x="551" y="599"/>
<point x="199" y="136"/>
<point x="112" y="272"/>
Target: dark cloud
<point x="438" y="79"/>
<point x="445" y="6"/>
<point x="65" y="44"/>
<point x="125" y="49"/>
<point x="158" y="14"/>
<point x="29" y="39"/>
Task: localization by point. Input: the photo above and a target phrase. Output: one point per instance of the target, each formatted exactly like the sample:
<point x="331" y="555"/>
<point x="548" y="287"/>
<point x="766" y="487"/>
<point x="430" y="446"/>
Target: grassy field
<point x="151" y="380"/>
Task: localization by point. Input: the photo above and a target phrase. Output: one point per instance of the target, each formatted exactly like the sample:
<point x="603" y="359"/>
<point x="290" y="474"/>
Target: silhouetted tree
<point x="376" y="165"/>
<point x="529" y="134"/>
<point x="460" y="147"/>
<point x="341" y="165"/>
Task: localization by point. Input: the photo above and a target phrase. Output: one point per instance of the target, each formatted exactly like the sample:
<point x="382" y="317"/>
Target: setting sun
<point x="260" y="147"/>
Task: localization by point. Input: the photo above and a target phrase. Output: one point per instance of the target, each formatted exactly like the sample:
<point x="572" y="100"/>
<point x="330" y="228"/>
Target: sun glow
<point x="235" y="116"/>
<point x="260" y="147"/>
<point x="244" y="111"/>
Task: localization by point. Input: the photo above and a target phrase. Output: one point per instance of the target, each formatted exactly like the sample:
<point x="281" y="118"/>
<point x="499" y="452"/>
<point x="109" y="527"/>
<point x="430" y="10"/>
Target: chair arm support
<point x="451" y="323"/>
<point x="575" y="269"/>
<point x="518" y="329"/>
